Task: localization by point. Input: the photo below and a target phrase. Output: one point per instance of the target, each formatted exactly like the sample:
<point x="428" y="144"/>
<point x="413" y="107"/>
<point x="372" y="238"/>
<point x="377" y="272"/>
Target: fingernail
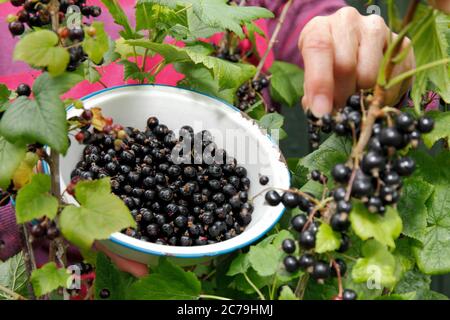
<point x="321" y="105"/>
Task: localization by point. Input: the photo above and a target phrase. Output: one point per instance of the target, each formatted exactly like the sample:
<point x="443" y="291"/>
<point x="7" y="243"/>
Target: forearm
<point x="299" y="14"/>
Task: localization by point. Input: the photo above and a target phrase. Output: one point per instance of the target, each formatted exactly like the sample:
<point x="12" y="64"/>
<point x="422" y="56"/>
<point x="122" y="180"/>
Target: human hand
<point x="342" y="53"/>
<point x="135" y="268"/>
<point x="443" y="5"/>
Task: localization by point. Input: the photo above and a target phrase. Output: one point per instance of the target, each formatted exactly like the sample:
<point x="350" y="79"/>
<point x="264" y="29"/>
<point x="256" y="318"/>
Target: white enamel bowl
<point x="131" y="105"/>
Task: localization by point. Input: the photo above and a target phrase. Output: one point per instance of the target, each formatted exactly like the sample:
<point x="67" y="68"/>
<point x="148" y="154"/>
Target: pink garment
<point x="14" y="73"/>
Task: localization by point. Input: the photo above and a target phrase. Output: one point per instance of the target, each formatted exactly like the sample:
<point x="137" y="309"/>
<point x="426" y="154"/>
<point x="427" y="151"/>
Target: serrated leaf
<point x="286" y="293"/>
<point x="384" y="228"/>
<point x="430" y="44"/>
<point x="218" y="14"/>
<point x="257" y="110"/>
<point x="48" y="278"/>
<point x="286" y="84"/>
<point x="241" y="284"/>
<point x="96" y="46"/>
<point x="240" y="264"/>
<point x="132" y="71"/>
<point x="11" y="155"/>
<point x="13" y="275"/>
<point x="39" y="48"/>
<point x="273" y="123"/>
<point x="433" y="256"/>
<point x="35" y="201"/>
<point x="4" y="97"/>
<point x="378" y="265"/>
<point x="404" y="254"/>
<point x="441" y="128"/>
<point x="107" y="276"/>
<point x="327" y="239"/>
<point x="228" y="74"/>
<point x="265" y="260"/>
<point x="46" y="113"/>
<point x="332" y="151"/>
<point x="120" y="18"/>
<point x="90" y="73"/>
<point x="397" y="296"/>
<point x="411" y="206"/>
<point x="166" y="282"/>
<point x="100" y="214"/>
<point x="433" y="169"/>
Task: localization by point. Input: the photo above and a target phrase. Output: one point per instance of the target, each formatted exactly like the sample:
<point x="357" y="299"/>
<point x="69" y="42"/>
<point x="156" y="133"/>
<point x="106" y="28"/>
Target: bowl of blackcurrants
<point x="192" y="170"/>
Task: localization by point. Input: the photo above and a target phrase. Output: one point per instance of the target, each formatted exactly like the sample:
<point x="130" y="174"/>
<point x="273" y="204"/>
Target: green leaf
<point x="35" y="201"/>
<point x="433" y="169"/>
<point x="48" y="278"/>
<point x="13" y="275"/>
<point x="286" y="84"/>
<point x="287" y="294"/>
<point x="411" y="206"/>
<point x="107" y="276"/>
<point x="166" y="282"/>
<point x="241" y="284"/>
<point x="239" y="265"/>
<point x="430" y="44"/>
<point x="132" y="71"/>
<point x="144" y="16"/>
<point x="404" y="254"/>
<point x="46" y="113"/>
<point x="90" y="73"/>
<point x="273" y="123"/>
<point x="384" y="228"/>
<point x="228" y="74"/>
<point x="11" y="155"/>
<point x="396" y="296"/>
<point x="433" y="256"/>
<point x="265" y="260"/>
<point x="120" y="18"/>
<point x="96" y="46"/>
<point x="100" y="214"/>
<point x="39" y="49"/>
<point x="327" y="239"/>
<point x="377" y="266"/>
<point x="257" y="110"/>
<point x="441" y="128"/>
<point x="4" y="97"/>
<point x="218" y="14"/>
<point x="200" y="78"/>
<point x="332" y="151"/>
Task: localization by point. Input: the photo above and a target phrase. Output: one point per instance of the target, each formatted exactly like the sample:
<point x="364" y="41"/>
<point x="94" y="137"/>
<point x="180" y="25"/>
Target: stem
<point x="102" y="83"/>
<point x="30" y="262"/>
<point x="273" y="39"/>
<point x="339" y="277"/>
<point x="412" y="72"/>
<point x="53" y="9"/>
<point x="208" y="296"/>
<point x="11" y="293"/>
<point x="261" y="296"/>
<point x="301" y="286"/>
<point x="55" y="175"/>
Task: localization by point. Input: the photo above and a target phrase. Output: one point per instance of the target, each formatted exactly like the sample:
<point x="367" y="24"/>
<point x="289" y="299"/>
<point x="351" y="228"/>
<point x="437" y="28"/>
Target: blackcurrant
<point x="321" y="270"/>
<point x="76" y="34"/>
<point x="291" y="264"/>
<point x="374" y="204"/>
<point x="390" y="137"/>
<point x="372" y="160"/>
<point x="263" y="180"/>
<point x="307" y="239"/>
<point x="339" y="194"/>
<point x="349" y="294"/>
<point x="298" y="222"/>
<point x="288" y="246"/>
<point x="315" y="175"/>
<point x="342" y="268"/>
<point x="404" y="166"/>
<point x="345" y="243"/>
<point x="425" y="124"/>
<point x="404" y="122"/>
<point x="23" y="90"/>
<point x="272" y="198"/>
<point x="344" y="206"/>
<point x="339" y="222"/>
<point x="306" y="261"/>
<point x="104" y="294"/>
<point x="341" y="173"/>
<point x="289" y="199"/>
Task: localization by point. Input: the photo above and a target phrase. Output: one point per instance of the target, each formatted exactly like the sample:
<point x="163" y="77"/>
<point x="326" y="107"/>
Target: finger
<point x="346" y="36"/>
<point x="374" y="35"/>
<point x="394" y="94"/>
<point x="135" y="268"/>
<point x="443" y="5"/>
<point x="317" y="50"/>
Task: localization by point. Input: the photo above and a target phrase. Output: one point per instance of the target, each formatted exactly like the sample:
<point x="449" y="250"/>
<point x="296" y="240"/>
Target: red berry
<point x="79" y="137"/>
<point x="108" y="120"/>
<point x="87" y="115"/>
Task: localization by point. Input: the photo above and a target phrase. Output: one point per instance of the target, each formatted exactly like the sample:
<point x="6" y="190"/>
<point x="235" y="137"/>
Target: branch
<point x="273" y="39"/>
<point x="30" y="262"/>
<point x="301" y="286"/>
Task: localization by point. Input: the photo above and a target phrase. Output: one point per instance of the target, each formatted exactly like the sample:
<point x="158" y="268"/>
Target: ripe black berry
<point x="291" y="264"/>
<point x="17" y="3"/>
<point x="339" y="194"/>
<point x="104" y="294"/>
<point x="95" y="11"/>
<point x="425" y="124"/>
<point x="16" y="28"/>
<point x="390" y="137"/>
<point x="344" y="206"/>
<point x="345" y="243"/>
<point x="315" y="175"/>
<point x="372" y="160"/>
<point x="405" y="122"/>
<point x="404" y="166"/>
<point x="289" y="199"/>
<point x="391" y="178"/>
<point x="76" y="34"/>
<point x="339" y="222"/>
<point x="306" y="261"/>
<point x="307" y="239"/>
<point x="362" y="185"/>
<point x="272" y="198"/>
<point x="374" y="204"/>
<point x="298" y="222"/>
<point x="341" y="173"/>
<point x="349" y="294"/>
<point x="263" y="180"/>
<point x="23" y="90"/>
<point x="288" y="246"/>
<point x="321" y="270"/>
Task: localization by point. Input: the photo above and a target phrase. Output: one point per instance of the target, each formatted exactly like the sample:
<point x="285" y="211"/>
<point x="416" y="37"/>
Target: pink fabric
<point x="13" y="73"/>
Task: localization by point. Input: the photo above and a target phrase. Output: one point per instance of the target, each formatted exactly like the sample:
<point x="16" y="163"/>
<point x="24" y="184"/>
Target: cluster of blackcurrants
<point x="248" y="93"/>
<point x="307" y="229"/>
<point x="225" y="53"/>
<point x="44" y="228"/>
<point x="196" y="201"/>
<point x="35" y="13"/>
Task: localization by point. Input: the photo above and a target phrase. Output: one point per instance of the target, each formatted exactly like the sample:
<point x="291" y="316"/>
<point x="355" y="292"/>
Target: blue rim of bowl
<point x="182" y="255"/>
